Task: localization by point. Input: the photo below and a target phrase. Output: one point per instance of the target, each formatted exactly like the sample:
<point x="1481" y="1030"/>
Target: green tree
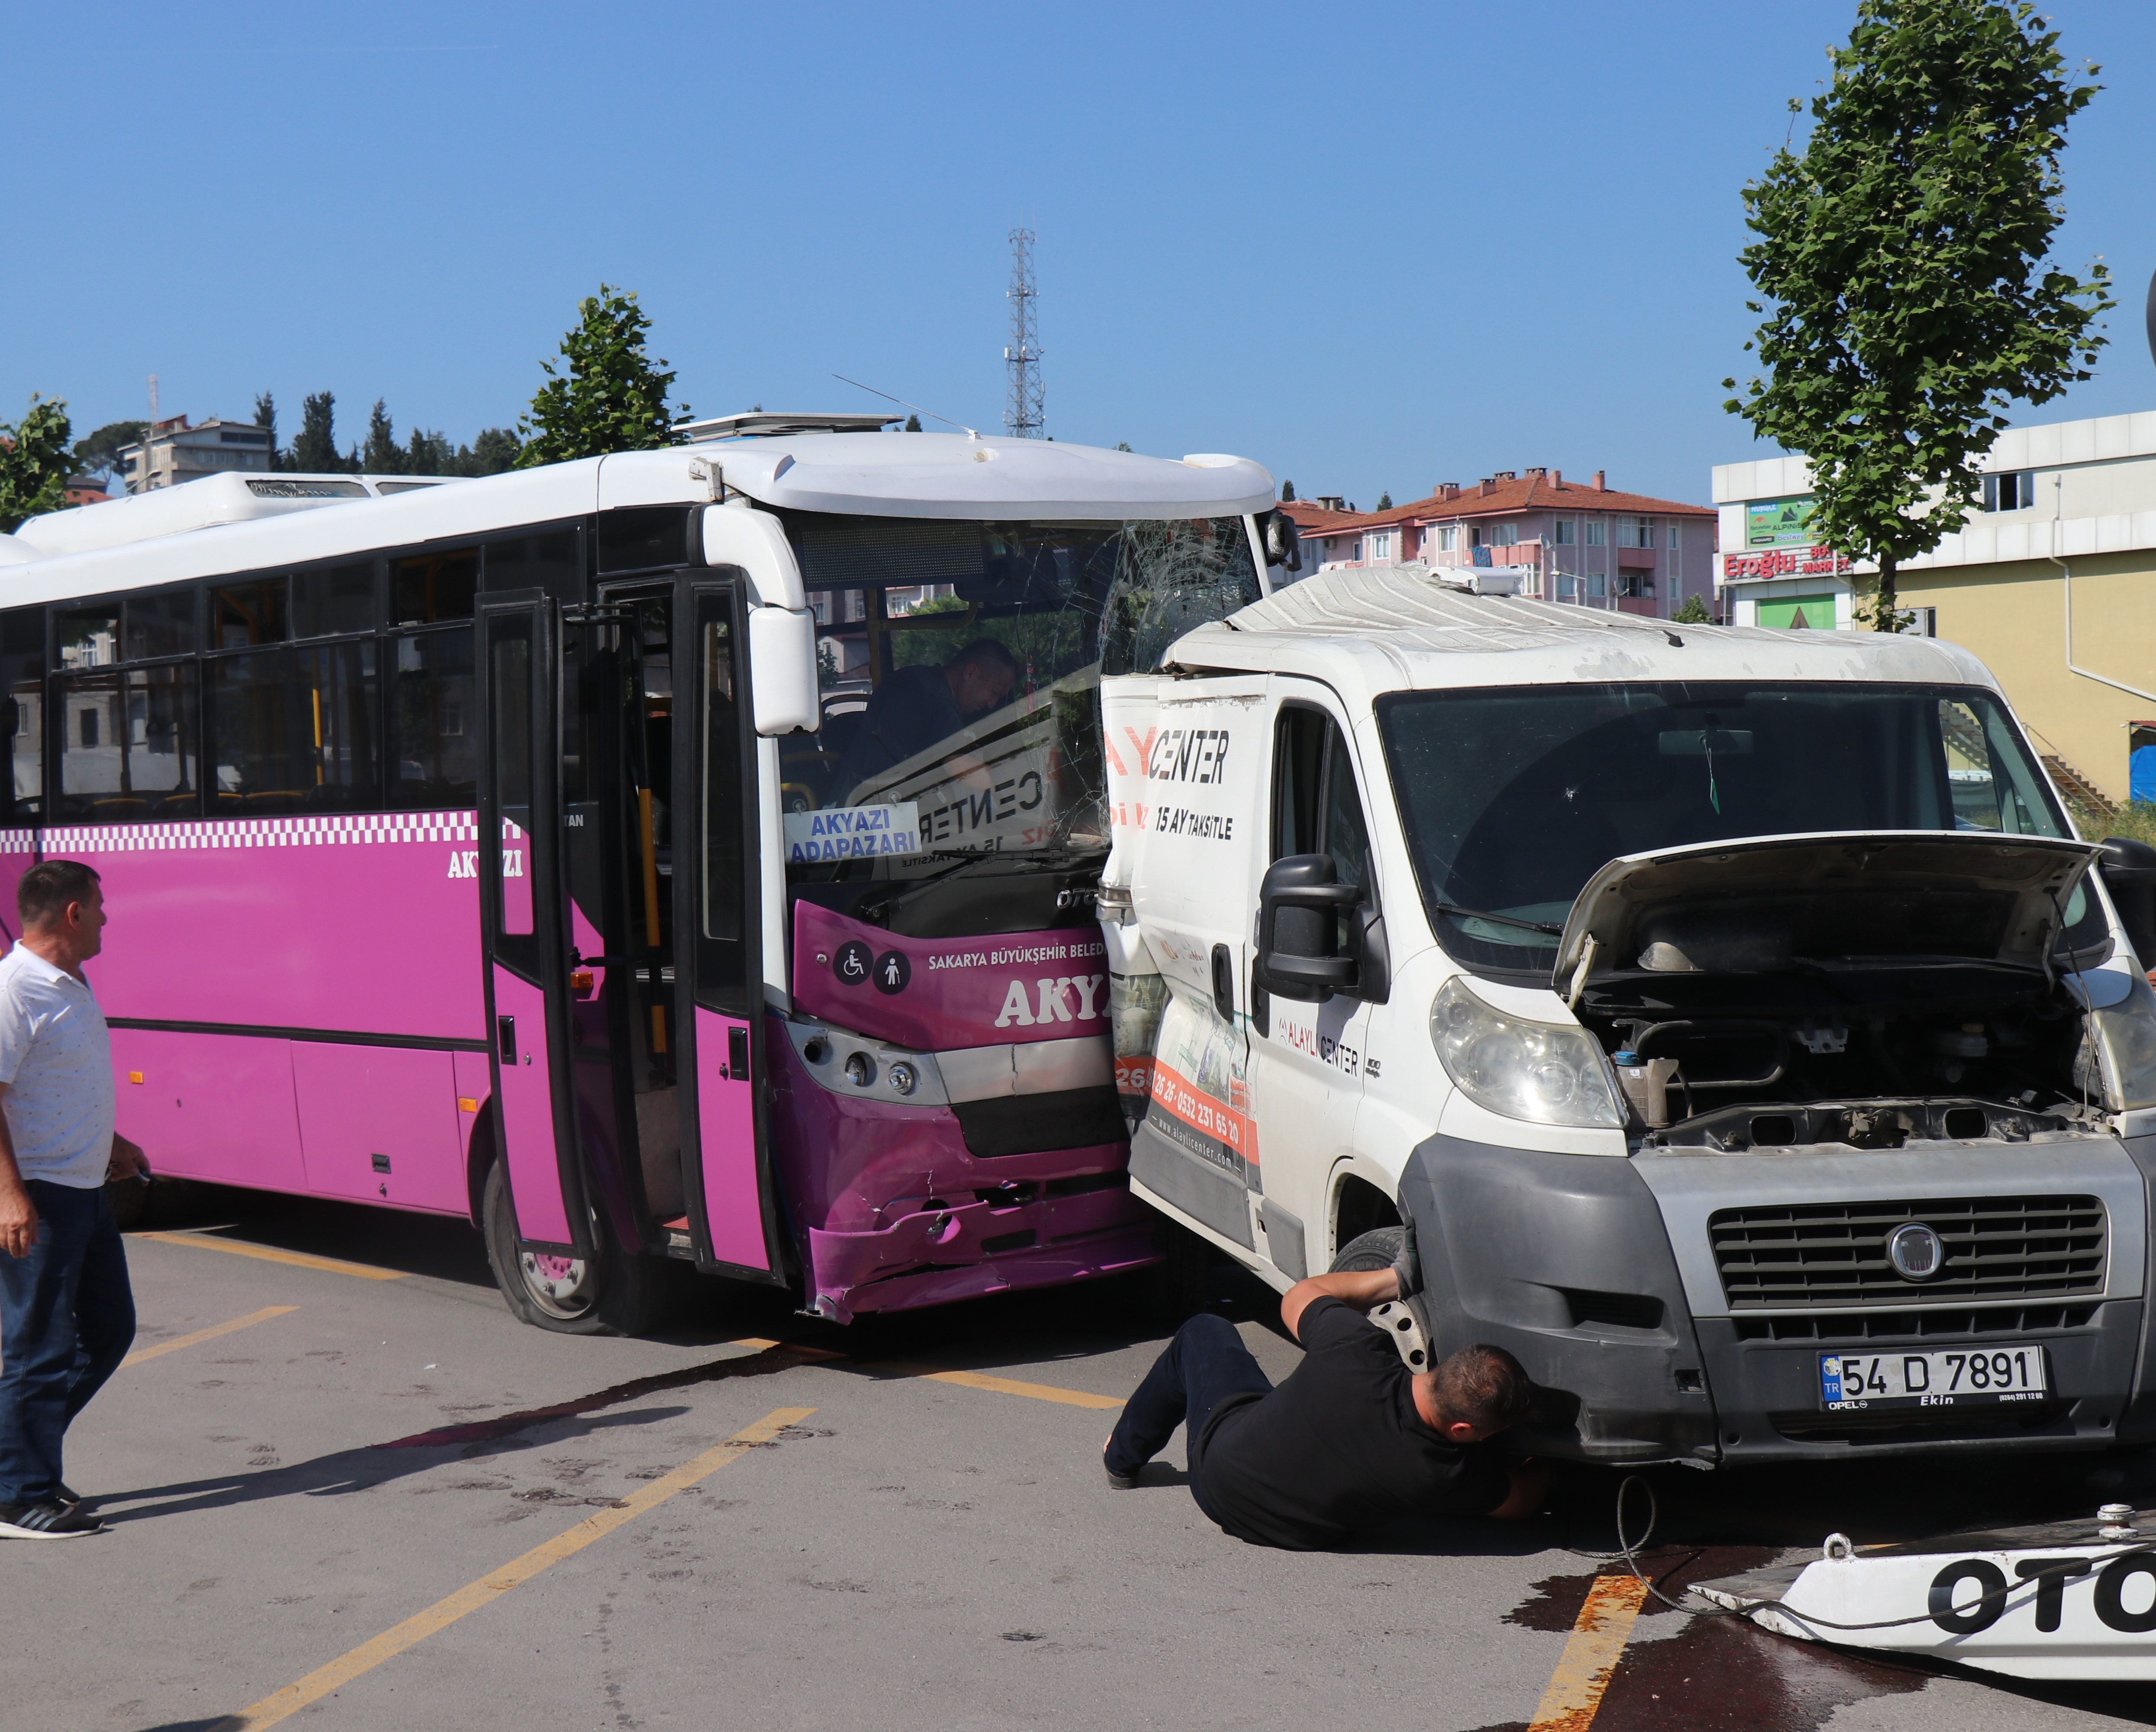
<point x="314" y="450"/>
<point x="98" y="454"/>
<point x="611" y="396"/>
<point x="1901" y="264"/>
<point x="1692" y="613"/>
<point x="34" y="461"/>
<point x="912" y="423"/>
<point x="1122" y="444"/>
<point x="382" y="456"/>
<point x="1384" y="501"/>
<point x="496" y="450"/>
<point x="1287" y="492"/>
<point x="265" y="417"/>
<point x="430" y="454"/>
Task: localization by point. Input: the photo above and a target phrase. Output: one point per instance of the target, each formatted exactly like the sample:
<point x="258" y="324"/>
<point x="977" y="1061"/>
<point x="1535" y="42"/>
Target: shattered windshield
<point x="1513" y="798"/>
<point x="960" y="664"/>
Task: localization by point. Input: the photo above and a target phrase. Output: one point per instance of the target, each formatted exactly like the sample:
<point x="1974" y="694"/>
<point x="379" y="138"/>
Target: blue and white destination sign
<point x="852" y="833"/>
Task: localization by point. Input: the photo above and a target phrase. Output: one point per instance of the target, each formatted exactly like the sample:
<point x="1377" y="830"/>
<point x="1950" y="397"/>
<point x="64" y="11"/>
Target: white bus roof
<point x="223" y="524"/>
<point x="1389" y="628"/>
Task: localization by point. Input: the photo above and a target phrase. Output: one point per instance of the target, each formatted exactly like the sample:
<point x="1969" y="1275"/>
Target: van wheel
<point x="1376" y="1249"/>
<point x="611" y="1292"/>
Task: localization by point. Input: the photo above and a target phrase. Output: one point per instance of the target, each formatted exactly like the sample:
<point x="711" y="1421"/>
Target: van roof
<point x="1393" y="628"/>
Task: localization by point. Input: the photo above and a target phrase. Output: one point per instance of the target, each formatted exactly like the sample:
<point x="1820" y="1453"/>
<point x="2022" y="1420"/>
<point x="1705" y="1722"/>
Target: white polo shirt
<point x="56" y="1059"/>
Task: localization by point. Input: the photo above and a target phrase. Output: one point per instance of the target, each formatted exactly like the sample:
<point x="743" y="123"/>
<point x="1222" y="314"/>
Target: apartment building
<point x="172" y="452"/>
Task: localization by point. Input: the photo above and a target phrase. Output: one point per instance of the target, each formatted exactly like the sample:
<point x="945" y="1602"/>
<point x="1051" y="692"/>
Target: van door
<point x="1306" y="1059"/>
<point x="523" y="930"/>
<point x="718" y="996"/>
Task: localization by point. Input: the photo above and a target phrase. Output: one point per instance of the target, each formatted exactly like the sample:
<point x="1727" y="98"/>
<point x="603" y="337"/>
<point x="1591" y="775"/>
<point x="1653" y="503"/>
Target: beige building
<point x="2052" y="582"/>
<point x="174" y="452"/>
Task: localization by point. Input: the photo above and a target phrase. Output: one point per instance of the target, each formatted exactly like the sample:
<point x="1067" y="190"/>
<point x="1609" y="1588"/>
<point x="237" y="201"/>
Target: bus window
<point x="293" y="730"/>
<point x="127" y="753"/>
<point x="433" y="730"/>
<point x="242" y="615"/>
<point x="509" y="686"/>
<point x="87" y="636"/>
<point x="722" y="789"/>
<point x="430" y="587"/>
<point x="22" y="670"/>
<point x="553" y="563"/>
<point x="334" y="599"/>
<point x="158" y="625"/>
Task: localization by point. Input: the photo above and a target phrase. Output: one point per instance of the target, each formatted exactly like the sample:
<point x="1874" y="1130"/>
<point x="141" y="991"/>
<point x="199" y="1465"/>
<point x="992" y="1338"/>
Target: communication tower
<point x="1024" y="418"/>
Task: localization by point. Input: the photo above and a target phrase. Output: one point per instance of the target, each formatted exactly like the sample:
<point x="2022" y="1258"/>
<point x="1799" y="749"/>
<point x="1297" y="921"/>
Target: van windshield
<point x="1513" y="797"/>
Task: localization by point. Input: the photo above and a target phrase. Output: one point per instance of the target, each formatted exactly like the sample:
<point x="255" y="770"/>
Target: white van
<point x="1734" y="1012"/>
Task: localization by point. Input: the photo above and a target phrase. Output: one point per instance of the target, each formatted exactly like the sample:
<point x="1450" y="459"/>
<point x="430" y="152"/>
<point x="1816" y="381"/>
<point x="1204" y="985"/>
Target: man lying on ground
<point x="1350" y="1440"/>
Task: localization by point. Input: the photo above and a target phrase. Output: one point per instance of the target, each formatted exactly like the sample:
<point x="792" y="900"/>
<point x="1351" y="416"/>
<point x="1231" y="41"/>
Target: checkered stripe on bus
<point x="18" y="842"/>
<point x="340" y="831"/>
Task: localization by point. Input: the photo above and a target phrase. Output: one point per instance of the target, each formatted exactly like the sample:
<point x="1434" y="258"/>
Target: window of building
<point x="1674" y="537"/>
<point x="87" y="636"/>
<point x="1448" y="538"/>
<point x="2009" y="492"/>
<point x="1564" y="532"/>
<point x="1635" y="533"/>
<point x="1378" y="547"/>
<point x="1598" y="586"/>
<point x="1505" y="535"/>
<point x="1595" y="529"/>
<point x="1568" y="586"/>
<point x="1636" y="585"/>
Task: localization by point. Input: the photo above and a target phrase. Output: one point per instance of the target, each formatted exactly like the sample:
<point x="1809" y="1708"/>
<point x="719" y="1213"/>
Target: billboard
<point x="1777" y="523"/>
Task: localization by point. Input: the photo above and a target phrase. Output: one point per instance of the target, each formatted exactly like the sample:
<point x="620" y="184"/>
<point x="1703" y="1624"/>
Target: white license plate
<point x="1965" y="1377"/>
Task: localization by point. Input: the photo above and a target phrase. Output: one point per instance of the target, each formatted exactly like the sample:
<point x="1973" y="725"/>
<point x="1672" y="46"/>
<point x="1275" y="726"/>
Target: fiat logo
<point x="1915" y="1251"/>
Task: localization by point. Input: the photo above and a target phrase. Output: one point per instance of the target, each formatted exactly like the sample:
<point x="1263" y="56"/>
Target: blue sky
<point x="1374" y="247"/>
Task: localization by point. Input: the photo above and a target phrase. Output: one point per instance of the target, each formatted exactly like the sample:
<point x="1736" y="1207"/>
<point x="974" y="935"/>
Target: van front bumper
<point x="1597" y="1273"/>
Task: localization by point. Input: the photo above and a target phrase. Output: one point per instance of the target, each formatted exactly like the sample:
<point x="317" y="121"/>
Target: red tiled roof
<point x="1528" y="493"/>
<point x="1309" y="518"/>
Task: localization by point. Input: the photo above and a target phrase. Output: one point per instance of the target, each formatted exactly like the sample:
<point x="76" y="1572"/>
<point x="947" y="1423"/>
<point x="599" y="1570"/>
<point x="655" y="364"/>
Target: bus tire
<point x="614" y="1293"/>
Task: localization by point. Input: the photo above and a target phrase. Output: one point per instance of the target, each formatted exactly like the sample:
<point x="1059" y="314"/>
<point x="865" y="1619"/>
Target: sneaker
<point x="68" y="1496"/>
<point x="49" y="1520"/>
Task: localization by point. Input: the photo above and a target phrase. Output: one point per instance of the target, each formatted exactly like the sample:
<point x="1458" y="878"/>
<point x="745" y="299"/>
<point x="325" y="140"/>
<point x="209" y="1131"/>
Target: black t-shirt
<point x="1337" y="1447"/>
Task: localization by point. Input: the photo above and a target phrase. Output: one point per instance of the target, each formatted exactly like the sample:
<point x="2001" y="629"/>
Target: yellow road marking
<point x="417" y="1628"/>
<point x="269" y="1254"/>
<point x="211" y="1333"/>
<point x="1590" y="1655"/>
<point x="1007" y="1386"/>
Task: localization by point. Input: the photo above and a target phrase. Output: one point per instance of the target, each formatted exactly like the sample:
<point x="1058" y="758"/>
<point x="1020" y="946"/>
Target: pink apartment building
<point x="1580" y="541"/>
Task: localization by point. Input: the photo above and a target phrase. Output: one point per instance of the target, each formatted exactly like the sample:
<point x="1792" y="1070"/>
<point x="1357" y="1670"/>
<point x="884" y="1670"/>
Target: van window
<point x="1316" y="808"/>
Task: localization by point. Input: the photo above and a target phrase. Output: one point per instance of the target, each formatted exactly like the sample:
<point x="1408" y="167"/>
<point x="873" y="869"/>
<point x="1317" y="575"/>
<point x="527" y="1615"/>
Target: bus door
<point x="522" y="924"/>
<point x="718" y="992"/>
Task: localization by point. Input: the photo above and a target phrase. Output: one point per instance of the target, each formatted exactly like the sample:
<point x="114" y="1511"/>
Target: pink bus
<point x="688" y="854"/>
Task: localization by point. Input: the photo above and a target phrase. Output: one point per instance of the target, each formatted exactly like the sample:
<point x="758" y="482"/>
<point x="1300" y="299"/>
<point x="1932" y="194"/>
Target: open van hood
<point x="1763" y="903"/>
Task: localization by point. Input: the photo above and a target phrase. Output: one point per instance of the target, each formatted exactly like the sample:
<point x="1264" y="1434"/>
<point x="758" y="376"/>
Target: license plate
<point x="1962" y="1378"/>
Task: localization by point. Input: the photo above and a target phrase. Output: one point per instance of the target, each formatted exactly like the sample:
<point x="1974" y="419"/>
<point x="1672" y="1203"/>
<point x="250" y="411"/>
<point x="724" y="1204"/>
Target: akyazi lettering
<point x="1189" y="754"/>
<point x="463" y="863"/>
<point x="1182" y="821"/>
<point x="1055" y="1004"/>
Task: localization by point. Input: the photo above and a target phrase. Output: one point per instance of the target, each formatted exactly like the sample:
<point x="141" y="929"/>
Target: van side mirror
<point x="1300" y="902"/>
<point x="1283" y="546"/>
<point x="2129" y="874"/>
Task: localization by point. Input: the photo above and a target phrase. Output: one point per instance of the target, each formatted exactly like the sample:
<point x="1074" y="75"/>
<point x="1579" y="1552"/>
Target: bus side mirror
<point x="1283" y="546"/>
<point x="1299" y="904"/>
<point x="784" y="688"/>
<point x="2129" y="874"/>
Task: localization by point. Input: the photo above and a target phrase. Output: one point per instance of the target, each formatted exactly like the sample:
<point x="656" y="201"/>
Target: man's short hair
<point x="44" y="892"/>
<point x="1486" y="1386"/>
<point x="985" y="653"/>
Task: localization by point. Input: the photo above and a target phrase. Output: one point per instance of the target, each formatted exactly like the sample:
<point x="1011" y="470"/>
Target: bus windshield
<point x="1513" y="798"/>
<point x="961" y="667"/>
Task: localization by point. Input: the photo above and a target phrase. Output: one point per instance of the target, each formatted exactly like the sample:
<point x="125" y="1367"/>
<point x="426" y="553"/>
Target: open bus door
<point x="717" y="904"/>
<point x="522" y="920"/>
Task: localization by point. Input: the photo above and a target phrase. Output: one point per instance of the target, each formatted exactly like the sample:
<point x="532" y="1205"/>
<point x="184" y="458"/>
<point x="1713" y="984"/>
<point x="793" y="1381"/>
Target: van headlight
<point x="1545" y="1072"/>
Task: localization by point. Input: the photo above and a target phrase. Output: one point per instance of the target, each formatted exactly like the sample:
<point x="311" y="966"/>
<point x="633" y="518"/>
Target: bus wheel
<point x="608" y="1294"/>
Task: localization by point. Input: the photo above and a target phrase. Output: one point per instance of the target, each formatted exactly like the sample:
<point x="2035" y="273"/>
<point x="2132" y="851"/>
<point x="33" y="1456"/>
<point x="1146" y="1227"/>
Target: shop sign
<point x="1777" y="523"/>
<point x="1785" y="562"/>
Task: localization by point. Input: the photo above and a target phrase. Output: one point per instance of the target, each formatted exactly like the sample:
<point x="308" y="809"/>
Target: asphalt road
<point x="342" y="1501"/>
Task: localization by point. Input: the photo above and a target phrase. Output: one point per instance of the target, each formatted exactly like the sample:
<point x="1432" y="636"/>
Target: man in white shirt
<point x="67" y="1313"/>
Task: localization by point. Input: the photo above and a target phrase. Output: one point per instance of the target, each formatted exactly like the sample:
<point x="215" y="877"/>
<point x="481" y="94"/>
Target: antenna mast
<point x="1025" y="417"/>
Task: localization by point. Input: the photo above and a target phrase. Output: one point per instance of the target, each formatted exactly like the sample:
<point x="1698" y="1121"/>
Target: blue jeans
<point x="67" y="1316"/>
<point x="1204" y="1364"/>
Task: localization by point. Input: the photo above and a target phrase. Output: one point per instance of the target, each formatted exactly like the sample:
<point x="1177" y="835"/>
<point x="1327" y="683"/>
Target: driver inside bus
<point x="1351" y="1440"/>
<point x="917" y="706"/>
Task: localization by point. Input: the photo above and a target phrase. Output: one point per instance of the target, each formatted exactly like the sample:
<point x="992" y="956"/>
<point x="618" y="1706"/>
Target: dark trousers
<point x="1205" y="1365"/>
<point x="67" y="1315"/>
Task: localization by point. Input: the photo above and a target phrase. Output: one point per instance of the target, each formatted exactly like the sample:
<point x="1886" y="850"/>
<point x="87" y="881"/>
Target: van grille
<point x="1997" y="1249"/>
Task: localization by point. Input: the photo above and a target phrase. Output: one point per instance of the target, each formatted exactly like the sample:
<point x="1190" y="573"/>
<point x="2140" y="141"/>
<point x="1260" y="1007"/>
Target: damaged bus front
<point x="1759" y="1054"/>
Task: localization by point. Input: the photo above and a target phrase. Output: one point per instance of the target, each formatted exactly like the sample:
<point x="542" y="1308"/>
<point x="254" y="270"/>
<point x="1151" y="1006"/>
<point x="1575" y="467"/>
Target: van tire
<point x="1379" y="1249"/>
<point x="615" y="1293"/>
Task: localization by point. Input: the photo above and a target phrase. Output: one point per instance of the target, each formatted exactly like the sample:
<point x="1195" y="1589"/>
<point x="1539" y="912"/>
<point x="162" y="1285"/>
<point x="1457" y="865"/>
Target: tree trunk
<point x="1887" y="608"/>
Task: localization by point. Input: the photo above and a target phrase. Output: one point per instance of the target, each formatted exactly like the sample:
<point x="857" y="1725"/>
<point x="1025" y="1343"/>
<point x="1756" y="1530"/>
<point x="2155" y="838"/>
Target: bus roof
<point x="1394" y="628"/>
<point x="226" y="523"/>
